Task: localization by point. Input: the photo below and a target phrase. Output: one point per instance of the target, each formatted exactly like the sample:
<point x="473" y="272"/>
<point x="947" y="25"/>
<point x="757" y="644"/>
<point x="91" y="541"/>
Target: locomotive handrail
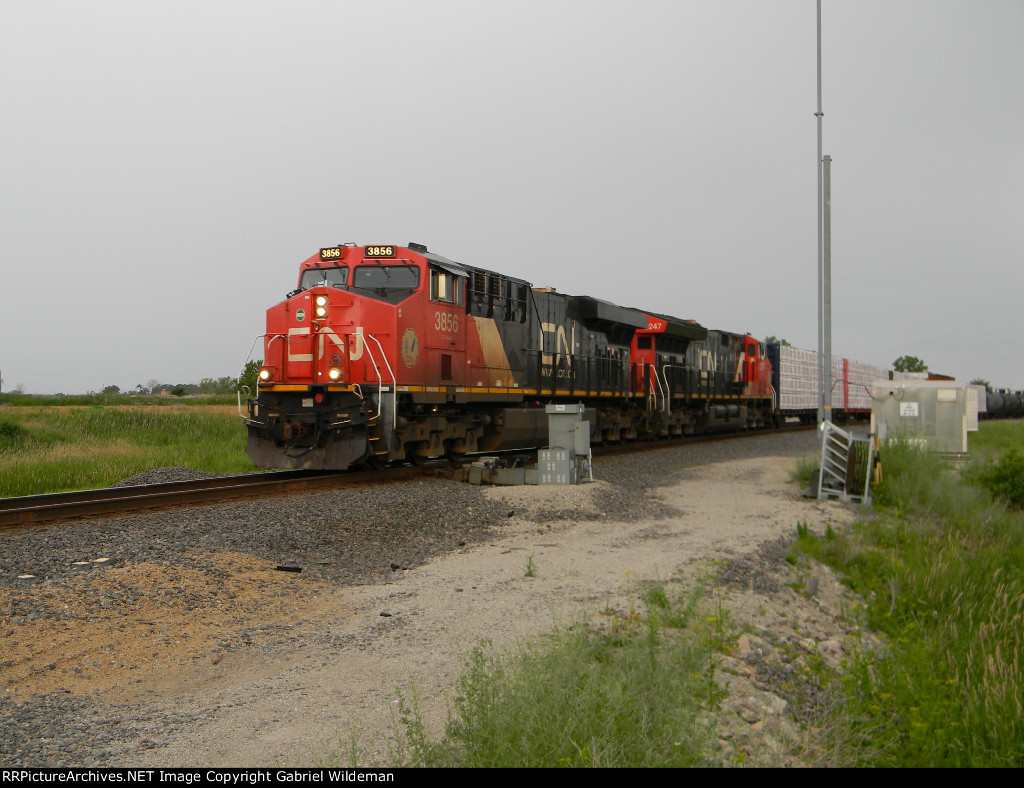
<point x="394" y="383"/>
<point x="668" y="389"/>
<point x="678" y="370"/>
<point x="255" y="339"/>
<point x="653" y="397"/>
<point x="369" y="351"/>
<point x="247" y="356"/>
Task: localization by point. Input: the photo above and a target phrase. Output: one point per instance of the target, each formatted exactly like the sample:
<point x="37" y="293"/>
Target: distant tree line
<point x="224" y="385"/>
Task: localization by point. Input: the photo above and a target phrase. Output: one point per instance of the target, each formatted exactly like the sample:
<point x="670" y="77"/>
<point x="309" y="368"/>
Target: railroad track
<point x="41" y="509"/>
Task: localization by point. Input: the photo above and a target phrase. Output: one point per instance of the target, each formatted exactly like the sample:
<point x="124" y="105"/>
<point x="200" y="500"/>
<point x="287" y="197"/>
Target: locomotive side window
<point x="324" y="277"/>
<point x="445" y="287"/>
<point x="522" y="292"/>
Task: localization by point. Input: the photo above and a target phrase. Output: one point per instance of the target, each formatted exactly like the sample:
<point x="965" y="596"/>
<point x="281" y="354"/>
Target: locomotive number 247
<point x="446" y="321"/>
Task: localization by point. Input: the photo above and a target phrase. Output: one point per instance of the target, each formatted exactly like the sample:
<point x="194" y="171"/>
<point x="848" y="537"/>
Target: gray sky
<point x="165" y="166"/>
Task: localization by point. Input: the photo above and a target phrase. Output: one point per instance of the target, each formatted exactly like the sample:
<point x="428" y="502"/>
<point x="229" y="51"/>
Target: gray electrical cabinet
<point x="567" y="460"/>
<point x="938" y="413"/>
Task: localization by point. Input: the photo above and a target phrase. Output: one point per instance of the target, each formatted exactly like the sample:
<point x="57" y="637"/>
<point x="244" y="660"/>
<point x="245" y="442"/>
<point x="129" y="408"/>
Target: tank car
<point x="1013" y="403"/>
<point x="995" y="405"/>
<point x="394" y="353"/>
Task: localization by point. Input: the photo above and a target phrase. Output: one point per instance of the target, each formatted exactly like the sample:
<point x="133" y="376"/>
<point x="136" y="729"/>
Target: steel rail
<point x="41" y="509"/>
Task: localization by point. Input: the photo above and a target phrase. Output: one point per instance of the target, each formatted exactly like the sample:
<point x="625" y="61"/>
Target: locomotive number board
<point x="380" y="251"/>
<point x="331" y="253"/>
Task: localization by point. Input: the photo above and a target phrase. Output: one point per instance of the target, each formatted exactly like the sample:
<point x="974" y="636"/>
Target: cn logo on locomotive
<point x="561" y="343"/>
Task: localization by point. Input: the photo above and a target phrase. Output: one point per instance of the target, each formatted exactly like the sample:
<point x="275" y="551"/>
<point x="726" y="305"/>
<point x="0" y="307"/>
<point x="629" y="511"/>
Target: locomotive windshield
<point x="323" y="277"/>
<point x="390" y="282"/>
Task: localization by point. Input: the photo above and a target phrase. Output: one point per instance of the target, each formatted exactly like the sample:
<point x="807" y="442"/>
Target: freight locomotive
<point x="389" y="353"/>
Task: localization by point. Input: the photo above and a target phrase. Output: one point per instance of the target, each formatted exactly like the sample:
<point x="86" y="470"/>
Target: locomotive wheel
<point x="452" y="453"/>
<point x="415" y="457"/>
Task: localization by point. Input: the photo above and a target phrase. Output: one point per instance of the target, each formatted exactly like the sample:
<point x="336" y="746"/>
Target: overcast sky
<point x="166" y="166"/>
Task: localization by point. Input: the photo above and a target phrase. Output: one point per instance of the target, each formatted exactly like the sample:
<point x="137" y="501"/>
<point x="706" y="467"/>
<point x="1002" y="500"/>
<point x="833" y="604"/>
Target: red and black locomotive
<point x="388" y="353"/>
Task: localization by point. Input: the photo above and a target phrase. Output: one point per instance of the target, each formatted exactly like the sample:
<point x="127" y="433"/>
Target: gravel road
<point x="261" y="633"/>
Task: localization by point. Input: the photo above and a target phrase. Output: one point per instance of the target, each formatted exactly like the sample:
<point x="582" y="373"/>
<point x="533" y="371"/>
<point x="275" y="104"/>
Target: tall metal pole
<point x="826" y="293"/>
<point x="824" y="372"/>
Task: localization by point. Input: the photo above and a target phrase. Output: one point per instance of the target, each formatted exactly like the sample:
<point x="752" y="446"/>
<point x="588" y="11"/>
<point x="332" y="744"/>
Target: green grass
<point x="996" y="437"/>
<point x="635" y="691"/>
<point x="942" y="567"/>
<point x="52" y="449"/>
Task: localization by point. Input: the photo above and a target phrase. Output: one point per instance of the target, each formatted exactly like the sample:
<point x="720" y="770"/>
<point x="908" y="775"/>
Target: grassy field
<point x="941" y="565"/>
<point x="55" y="447"/>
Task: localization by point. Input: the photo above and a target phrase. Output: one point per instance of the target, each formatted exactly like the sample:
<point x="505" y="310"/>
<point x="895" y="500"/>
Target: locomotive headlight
<point x="334" y="373"/>
<point x="320" y="306"/>
<point x="265" y="374"/>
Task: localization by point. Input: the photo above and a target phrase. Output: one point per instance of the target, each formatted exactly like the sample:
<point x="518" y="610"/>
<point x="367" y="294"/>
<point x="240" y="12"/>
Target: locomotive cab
<point x="329" y="360"/>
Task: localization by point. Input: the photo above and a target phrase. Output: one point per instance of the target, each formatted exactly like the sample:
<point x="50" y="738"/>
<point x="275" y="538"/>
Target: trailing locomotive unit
<point x="388" y="353"/>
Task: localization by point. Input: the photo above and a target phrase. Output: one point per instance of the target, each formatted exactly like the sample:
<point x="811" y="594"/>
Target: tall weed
<point x="632" y="695"/>
<point x="65" y="448"/>
<point x="942" y="567"/>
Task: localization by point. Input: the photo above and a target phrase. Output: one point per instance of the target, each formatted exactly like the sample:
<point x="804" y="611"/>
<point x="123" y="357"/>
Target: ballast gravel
<point x="206" y="564"/>
<point x="162" y="475"/>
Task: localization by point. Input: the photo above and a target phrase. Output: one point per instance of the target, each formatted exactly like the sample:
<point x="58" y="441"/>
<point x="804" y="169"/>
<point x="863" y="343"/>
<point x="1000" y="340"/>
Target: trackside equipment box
<point x="938" y="412"/>
<point x="567" y="460"/>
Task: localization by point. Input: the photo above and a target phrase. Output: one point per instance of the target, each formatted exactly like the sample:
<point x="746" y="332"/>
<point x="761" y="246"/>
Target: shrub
<point x="12" y="434"/>
<point x="1004" y="478"/>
